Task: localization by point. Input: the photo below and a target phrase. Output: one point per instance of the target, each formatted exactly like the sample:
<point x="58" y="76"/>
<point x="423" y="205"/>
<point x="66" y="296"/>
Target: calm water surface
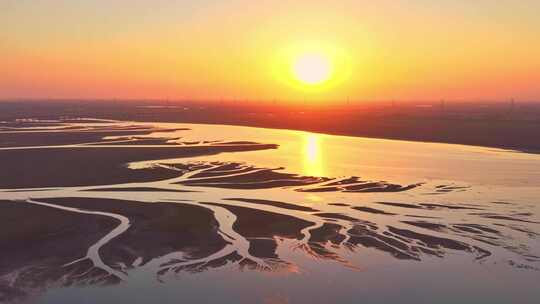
<point x="319" y="219"/>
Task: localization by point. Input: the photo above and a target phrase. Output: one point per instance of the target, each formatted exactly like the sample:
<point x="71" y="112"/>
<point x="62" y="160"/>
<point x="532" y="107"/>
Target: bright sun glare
<point x="312" y="69"/>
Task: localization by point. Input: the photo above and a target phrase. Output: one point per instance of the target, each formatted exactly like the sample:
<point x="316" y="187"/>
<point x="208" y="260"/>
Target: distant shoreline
<point x="476" y="124"/>
<point x="515" y="149"/>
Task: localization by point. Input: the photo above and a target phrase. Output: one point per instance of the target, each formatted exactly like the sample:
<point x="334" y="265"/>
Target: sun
<point x="312" y="68"/>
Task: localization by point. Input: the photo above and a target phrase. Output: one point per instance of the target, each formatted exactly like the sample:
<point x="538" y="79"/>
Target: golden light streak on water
<point x="312" y="155"/>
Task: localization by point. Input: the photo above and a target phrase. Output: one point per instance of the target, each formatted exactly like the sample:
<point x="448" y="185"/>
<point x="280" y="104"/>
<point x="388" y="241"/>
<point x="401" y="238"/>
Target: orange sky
<point x="244" y="49"/>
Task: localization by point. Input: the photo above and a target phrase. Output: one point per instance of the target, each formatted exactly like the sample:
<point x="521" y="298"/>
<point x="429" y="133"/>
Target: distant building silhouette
<point x="443" y="105"/>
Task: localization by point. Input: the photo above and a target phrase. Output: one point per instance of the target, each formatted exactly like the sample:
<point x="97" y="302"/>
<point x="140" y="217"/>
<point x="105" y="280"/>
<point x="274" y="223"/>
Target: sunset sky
<point x="423" y="49"/>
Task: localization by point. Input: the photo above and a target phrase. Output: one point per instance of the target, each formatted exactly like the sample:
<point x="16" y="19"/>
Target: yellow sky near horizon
<point x="244" y="49"/>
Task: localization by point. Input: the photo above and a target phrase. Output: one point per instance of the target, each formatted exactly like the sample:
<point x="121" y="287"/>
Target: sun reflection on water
<point x="312" y="155"/>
